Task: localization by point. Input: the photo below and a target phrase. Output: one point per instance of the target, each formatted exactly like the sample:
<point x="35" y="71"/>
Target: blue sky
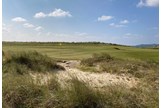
<point x="128" y="22"/>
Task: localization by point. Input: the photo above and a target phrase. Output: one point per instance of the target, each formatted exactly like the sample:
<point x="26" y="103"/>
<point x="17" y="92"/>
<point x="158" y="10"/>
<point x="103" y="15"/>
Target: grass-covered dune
<point x="61" y="50"/>
<point x="22" y="60"/>
<point x="20" y="91"/>
<point x="25" y="62"/>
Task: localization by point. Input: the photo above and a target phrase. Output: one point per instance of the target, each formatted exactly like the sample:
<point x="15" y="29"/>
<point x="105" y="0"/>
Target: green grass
<point x="97" y="58"/>
<point x="80" y="51"/>
<point x="19" y="90"/>
<point x="25" y="62"/>
<point x="109" y="64"/>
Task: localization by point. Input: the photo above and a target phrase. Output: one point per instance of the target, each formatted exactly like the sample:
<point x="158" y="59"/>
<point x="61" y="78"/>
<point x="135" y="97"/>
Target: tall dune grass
<point x="20" y="91"/>
<point x="24" y="62"/>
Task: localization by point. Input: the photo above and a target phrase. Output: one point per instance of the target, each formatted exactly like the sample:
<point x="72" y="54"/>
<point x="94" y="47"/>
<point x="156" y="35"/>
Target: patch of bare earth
<point x="96" y="80"/>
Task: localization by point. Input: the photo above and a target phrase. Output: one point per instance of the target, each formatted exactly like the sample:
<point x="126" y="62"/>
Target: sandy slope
<point x="97" y="80"/>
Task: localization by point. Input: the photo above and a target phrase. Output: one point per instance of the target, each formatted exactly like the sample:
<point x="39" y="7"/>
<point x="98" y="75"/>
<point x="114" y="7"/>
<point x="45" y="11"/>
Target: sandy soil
<point x="96" y="80"/>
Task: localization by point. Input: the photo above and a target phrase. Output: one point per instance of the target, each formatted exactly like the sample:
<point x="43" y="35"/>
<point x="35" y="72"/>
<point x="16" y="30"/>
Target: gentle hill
<point x="148" y="46"/>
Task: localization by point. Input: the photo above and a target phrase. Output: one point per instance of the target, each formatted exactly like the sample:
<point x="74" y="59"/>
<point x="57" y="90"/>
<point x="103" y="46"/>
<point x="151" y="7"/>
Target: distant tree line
<point x="60" y="43"/>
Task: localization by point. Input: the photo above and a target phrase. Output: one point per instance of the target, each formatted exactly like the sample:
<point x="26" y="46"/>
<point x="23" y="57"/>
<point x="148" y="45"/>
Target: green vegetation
<point x="71" y="51"/>
<point x="25" y="62"/>
<point x="20" y="90"/>
<point x="97" y="58"/>
<point x="106" y="63"/>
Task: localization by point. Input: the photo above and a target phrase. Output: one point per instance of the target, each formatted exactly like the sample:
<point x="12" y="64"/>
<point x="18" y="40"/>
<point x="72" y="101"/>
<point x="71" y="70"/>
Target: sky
<point x="127" y="22"/>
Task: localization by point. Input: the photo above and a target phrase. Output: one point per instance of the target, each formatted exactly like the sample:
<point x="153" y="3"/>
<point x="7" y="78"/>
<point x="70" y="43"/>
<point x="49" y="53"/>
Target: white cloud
<point x="148" y="3"/>
<point x="40" y="15"/>
<point x="39" y="28"/>
<point x="116" y="25"/>
<point x="28" y="25"/>
<point x="19" y="19"/>
<point x="105" y="18"/>
<point x="55" y="13"/>
<point x="59" y="13"/>
<point x="124" y="22"/>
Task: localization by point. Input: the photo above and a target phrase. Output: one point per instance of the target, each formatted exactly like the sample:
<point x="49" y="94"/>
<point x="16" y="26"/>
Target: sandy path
<point x="96" y="80"/>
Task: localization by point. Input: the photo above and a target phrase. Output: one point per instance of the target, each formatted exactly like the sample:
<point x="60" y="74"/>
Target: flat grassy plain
<point x="79" y="51"/>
